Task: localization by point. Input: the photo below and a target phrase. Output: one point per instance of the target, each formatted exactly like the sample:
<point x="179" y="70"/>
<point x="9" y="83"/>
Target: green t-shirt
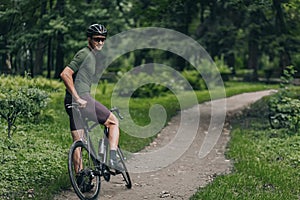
<point x="84" y="66"/>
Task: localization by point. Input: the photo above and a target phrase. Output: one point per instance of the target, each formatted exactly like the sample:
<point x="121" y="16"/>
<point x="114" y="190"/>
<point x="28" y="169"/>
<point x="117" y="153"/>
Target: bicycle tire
<point x="89" y="164"/>
<point x="124" y="172"/>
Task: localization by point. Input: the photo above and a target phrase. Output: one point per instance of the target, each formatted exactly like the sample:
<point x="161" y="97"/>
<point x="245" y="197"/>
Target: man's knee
<point x="77" y="134"/>
<point x="112" y="121"/>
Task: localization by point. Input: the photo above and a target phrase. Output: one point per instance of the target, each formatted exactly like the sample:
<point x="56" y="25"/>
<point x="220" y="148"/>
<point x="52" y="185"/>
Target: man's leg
<point x="96" y="111"/>
<point x="77" y="135"/>
<point x="112" y="124"/>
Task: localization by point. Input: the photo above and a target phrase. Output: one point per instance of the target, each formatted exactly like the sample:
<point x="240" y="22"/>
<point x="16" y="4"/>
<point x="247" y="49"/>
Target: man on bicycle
<point x="77" y="77"/>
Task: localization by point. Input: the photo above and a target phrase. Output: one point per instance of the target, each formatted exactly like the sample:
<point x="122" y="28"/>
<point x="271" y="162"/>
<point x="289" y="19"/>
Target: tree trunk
<point x="50" y="66"/>
<point x="230" y="60"/>
<point x="59" y="55"/>
<point x="49" y="58"/>
<point x="60" y="6"/>
<point x="280" y="27"/>
<point x="40" y="47"/>
<point x="253" y="54"/>
<point x="5" y="65"/>
<point x="38" y="61"/>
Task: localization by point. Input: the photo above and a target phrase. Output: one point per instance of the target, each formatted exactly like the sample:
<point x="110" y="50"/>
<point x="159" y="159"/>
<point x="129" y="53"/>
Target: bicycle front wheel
<point x="84" y="176"/>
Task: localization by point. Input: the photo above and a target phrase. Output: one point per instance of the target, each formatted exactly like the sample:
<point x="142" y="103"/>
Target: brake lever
<point x="73" y="105"/>
<point x="115" y="109"/>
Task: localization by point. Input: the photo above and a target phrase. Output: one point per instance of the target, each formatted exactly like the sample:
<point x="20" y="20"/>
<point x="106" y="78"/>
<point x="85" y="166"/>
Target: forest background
<point x="248" y="40"/>
<point x="253" y="38"/>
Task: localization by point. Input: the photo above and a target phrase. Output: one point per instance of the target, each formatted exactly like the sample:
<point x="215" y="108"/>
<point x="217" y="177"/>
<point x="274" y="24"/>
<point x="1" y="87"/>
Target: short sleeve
<point x="77" y="60"/>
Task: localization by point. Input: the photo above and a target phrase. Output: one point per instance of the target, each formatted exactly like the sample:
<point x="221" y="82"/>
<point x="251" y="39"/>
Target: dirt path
<point x="182" y="178"/>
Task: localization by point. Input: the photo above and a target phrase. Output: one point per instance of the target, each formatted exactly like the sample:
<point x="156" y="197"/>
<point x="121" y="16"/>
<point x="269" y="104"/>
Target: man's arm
<point x="67" y="77"/>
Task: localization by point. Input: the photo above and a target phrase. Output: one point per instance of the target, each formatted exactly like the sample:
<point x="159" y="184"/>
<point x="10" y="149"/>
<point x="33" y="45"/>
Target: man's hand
<point x="81" y="102"/>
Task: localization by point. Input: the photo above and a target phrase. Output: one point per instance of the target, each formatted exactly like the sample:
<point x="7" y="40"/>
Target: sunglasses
<point x="97" y="39"/>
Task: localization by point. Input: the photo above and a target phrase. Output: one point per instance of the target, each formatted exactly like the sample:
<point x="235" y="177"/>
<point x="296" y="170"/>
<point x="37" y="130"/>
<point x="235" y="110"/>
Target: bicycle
<point x="87" y="181"/>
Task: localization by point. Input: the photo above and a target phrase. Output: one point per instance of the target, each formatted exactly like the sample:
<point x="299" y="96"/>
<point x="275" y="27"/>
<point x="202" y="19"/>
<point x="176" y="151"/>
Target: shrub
<point x="285" y="113"/>
<point x="22" y="103"/>
<point x="194" y="78"/>
<point x="221" y="65"/>
<point x="284" y="108"/>
<point x="148" y="82"/>
<point x="15" y="82"/>
<point x="34" y="158"/>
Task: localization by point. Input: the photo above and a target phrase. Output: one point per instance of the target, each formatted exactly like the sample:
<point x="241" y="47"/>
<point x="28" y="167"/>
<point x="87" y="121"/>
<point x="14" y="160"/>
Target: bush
<point x="16" y="82"/>
<point x="284" y="108"/>
<point x="222" y="66"/>
<point x="21" y="103"/>
<point x="285" y="113"/>
<point x="194" y="78"/>
<point x="149" y="82"/>
<point x="33" y="160"/>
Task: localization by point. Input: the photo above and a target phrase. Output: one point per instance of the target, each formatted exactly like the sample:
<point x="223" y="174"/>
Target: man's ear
<point x="90" y="42"/>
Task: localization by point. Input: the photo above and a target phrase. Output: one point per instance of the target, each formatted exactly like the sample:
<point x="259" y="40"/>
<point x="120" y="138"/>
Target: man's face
<point x="97" y="42"/>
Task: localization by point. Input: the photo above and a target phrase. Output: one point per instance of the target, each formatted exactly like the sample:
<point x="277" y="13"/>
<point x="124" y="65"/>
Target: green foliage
<point x="29" y="162"/>
<point x="14" y="82"/>
<point x="22" y="103"/>
<point x="224" y="69"/>
<point x="285" y="113"/>
<point x="287" y="78"/>
<point x="284" y="107"/>
<point x="194" y="78"/>
<point x="268" y="66"/>
<point x="148" y="83"/>
<point x="266" y="161"/>
<point x="221" y="65"/>
<point x="21" y="98"/>
<point x="211" y="71"/>
<point x="222" y="27"/>
<point x="35" y="158"/>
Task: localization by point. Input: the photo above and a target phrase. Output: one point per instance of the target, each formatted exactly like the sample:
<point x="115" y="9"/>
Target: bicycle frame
<point x="87" y="130"/>
<point x="96" y="166"/>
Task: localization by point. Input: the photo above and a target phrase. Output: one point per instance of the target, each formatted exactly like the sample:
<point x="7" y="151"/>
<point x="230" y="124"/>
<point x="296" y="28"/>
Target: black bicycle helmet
<point x="96" y="29"/>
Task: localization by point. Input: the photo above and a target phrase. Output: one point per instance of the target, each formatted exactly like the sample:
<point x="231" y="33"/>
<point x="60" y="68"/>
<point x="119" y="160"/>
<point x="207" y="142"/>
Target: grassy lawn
<point x="266" y="161"/>
<point x="36" y="156"/>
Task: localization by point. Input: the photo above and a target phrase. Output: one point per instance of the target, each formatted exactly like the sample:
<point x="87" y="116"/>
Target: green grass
<point x="35" y="157"/>
<point x="37" y="154"/>
<point x="266" y="161"/>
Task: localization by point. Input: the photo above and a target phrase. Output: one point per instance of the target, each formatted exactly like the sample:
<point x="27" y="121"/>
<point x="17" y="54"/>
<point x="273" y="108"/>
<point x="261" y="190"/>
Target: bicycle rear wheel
<point x="125" y="173"/>
<point x="84" y="176"/>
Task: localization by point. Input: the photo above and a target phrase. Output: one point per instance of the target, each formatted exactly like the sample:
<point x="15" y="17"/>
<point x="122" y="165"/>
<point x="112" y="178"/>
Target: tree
<point x="33" y="32"/>
<point x="40" y="46"/>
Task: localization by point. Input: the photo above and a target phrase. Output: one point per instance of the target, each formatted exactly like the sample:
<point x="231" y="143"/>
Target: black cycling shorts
<point x="94" y="111"/>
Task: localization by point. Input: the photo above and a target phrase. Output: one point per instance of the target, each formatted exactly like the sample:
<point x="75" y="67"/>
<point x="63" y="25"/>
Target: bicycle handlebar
<point x="72" y="105"/>
<point x="115" y="109"/>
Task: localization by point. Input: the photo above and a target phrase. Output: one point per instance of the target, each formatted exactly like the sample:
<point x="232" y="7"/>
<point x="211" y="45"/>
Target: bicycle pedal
<point x="106" y="175"/>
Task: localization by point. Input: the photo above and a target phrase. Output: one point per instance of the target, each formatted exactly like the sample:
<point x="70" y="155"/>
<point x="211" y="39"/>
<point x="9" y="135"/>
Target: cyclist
<point x="77" y="77"/>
